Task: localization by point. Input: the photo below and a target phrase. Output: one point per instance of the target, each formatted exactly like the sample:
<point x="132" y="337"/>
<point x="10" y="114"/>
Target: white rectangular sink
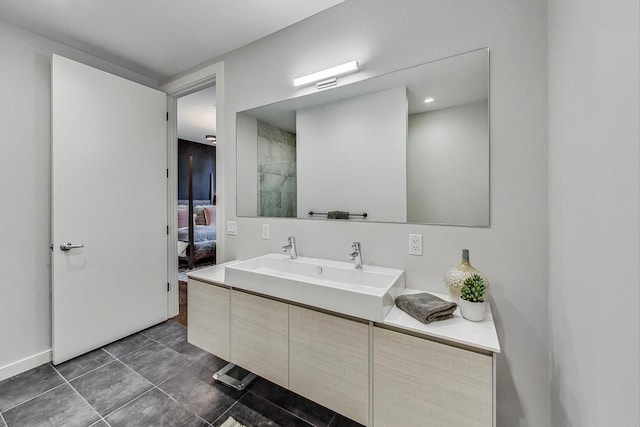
<point x="366" y="292"/>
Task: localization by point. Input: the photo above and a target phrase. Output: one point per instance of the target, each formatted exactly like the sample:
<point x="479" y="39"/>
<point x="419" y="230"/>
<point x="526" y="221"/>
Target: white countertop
<point x="481" y="335"/>
<point x="213" y="274"/>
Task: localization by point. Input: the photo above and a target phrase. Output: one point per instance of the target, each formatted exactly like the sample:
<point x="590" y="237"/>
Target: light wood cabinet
<point x="208" y="317"/>
<point x="329" y="361"/>
<point x="378" y="375"/>
<point x="417" y="382"/>
<point x="260" y="336"/>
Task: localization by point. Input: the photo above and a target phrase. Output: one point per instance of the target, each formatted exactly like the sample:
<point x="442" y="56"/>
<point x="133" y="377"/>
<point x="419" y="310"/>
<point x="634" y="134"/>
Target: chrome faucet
<point x="292" y="246"/>
<point x="356" y="255"/>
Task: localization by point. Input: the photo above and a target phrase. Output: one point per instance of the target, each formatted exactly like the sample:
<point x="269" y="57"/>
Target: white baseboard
<point x="20" y="366"/>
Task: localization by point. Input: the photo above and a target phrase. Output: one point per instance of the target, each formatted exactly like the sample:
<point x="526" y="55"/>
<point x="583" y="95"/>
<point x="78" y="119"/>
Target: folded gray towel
<point x="426" y="307"/>
<point x="337" y="215"/>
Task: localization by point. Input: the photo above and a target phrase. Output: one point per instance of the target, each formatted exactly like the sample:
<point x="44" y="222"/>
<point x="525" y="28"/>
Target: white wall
<point x="352" y="156"/>
<point x="448" y="166"/>
<point x="386" y="36"/>
<point x="25" y="109"/>
<point x="247" y="147"/>
<point x="594" y="188"/>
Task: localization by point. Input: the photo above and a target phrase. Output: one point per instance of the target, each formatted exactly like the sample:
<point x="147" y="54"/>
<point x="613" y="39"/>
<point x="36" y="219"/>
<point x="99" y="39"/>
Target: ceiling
<point x="197" y="115"/>
<point x="158" y="38"/>
<point x="162" y="39"/>
<point x="457" y="80"/>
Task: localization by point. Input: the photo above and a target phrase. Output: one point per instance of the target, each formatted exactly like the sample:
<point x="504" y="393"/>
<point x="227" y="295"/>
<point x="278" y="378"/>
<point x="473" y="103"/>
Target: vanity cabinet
<point x="208" y="317"/>
<point x="398" y="372"/>
<point x="329" y="361"/>
<point x="421" y="382"/>
<point x="260" y="336"/>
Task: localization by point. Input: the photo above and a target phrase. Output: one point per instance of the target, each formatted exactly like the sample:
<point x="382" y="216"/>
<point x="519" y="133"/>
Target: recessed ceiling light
<point x="429" y="100"/>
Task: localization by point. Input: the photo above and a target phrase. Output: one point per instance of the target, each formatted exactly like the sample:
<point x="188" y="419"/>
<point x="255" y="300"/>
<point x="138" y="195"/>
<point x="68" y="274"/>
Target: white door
<point x="109" y="193"/>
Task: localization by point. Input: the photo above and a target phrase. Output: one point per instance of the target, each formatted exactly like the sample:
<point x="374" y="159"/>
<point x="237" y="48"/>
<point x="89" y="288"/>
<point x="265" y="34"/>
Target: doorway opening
<point x="206" y="87"/>
<point x="196" y="193"/>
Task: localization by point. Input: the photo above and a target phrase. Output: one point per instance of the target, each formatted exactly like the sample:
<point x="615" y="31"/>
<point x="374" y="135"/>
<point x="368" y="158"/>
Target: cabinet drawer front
<point x="420" y="382"/>
<point x="329" y="362"/>
<point x="260" y="336"/>
<point x="208" y="318"/>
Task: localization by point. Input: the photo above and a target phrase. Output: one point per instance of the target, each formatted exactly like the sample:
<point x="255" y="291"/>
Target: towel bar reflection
<point x="312" y="213"/>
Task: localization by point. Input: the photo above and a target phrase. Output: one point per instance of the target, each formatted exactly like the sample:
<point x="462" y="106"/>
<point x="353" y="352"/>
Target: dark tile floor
<point x="152" y="378"/>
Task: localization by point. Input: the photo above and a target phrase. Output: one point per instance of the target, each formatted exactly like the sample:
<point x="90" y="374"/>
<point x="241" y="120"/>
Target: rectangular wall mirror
<point x="376" y="147"/>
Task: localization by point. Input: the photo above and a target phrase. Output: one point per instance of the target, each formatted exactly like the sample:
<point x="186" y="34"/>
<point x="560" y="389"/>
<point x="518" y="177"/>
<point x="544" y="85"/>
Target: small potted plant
<point x="472" y="298"/>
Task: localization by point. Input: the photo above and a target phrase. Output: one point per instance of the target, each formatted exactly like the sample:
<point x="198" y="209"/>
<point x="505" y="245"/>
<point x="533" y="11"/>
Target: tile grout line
<point x="280" y="407"/>
<point x="141" y="347"/>
<point x="228" y="409"/>
<point x="161" y="343"/>
<point x="163" y="336"/>
<point x="101" y="366"/>
<point x="30" y="399"/>
<point x="136" y="397"/>
<point x="125" y="404"/>
<point x="157" y="386"/>
<point x="118" y="359"/>
<point x="115" y="359"/>
<point x="137" y="373"/>
<point x="179" y="403"/>
<point x="153" y="386"/>
<point x="81" y="396"/>
<point x="88" y="372"/>
<point x="189" y="363"/>
<point x="126" y="354"/>
<point x="193" y="363"/>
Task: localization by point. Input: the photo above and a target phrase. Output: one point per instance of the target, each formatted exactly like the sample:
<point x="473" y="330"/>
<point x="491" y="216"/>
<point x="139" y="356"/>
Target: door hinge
<point x="167" y="116"/>
<point x="167" y="230"/>
<point x="167" y="173"/>
<point x="168" y="286"/>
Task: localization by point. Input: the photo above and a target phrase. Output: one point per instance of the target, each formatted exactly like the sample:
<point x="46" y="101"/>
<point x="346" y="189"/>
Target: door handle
<point x="66" y="246"/>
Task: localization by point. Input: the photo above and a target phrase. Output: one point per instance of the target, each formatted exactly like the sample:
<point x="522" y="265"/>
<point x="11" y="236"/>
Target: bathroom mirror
<point x="378" y="146"/>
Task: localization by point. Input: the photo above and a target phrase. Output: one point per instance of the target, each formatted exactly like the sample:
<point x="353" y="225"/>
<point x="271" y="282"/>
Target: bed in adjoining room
<point x="204" y="231"/>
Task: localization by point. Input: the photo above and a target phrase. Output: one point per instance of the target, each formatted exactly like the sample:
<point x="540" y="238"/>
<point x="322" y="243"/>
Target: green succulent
<point x="473" y="288"/>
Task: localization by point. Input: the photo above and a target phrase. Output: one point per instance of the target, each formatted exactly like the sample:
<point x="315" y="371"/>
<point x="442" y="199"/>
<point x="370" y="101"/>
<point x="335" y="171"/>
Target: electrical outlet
<point x="415" y="244"/>
<point x="232" y="228"/>
<point x="265" y="231"/>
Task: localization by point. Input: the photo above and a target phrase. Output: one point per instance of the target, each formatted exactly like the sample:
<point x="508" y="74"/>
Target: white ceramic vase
<point x="473" y="311"/>
<point x="455" y="277"/>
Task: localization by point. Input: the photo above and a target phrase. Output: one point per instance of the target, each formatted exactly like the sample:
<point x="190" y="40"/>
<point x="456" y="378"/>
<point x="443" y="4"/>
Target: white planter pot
<point x="473" y="311"/>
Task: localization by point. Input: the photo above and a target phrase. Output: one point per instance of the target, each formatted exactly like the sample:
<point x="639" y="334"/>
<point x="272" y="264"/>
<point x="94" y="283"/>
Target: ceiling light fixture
<point x="328" y="77"/>
<point x="211" y="138"/>
<point x="429" y="100"/>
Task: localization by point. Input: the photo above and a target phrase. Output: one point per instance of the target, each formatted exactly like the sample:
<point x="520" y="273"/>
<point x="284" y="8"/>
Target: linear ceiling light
<point x="327" y="76"/>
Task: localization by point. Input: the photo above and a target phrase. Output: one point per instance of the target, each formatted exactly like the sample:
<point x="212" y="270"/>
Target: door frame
<point x="174" y="89"/>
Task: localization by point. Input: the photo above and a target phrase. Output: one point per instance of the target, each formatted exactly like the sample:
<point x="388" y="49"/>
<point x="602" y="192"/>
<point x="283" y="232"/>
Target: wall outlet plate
<point x="415" y="244"/>
<point x="232" y="228"/>
<point x="265" y="232"/>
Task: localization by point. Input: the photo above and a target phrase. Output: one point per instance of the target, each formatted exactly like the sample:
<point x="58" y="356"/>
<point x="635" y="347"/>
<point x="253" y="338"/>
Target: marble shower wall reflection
<point x="276" y="171"/>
